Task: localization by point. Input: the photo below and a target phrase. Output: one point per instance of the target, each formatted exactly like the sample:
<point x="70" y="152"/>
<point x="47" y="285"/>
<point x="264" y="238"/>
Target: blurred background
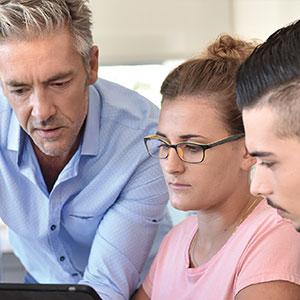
<point x="141" y="41"/>
<point x="143" y="32"/>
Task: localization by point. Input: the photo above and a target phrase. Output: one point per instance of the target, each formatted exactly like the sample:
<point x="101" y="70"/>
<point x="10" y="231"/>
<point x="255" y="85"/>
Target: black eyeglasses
<point x="190" y="152"/>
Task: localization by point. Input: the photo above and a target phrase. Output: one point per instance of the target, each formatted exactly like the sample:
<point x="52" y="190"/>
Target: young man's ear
<point x="248" y="160"/>
<point x="93" y="64"/>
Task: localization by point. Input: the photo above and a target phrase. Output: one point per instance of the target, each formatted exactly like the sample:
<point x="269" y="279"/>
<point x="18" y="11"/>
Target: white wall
<point x="260" y="18"/>
<point x="143" y="31"/>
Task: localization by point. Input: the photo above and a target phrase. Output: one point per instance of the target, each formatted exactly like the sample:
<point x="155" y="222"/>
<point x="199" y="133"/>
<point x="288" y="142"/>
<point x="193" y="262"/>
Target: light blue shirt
<point x="98" y="223"/>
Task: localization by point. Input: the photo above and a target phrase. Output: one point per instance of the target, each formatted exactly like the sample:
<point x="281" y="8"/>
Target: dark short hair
<point x="272" y="64"/>
<point x="211" y="75"/>
<point x="271" y="75"/>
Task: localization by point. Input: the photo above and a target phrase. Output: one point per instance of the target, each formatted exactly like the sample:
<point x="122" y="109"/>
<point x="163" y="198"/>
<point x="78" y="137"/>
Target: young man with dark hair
<point x="268" y="93"/>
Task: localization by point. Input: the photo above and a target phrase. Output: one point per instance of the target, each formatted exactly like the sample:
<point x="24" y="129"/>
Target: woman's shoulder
<point x="182" y="231"/>
<point x="186" y="224"/>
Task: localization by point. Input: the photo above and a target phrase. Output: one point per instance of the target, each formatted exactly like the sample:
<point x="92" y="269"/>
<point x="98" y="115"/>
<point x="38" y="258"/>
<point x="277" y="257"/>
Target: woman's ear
<point x="248" y="160"/>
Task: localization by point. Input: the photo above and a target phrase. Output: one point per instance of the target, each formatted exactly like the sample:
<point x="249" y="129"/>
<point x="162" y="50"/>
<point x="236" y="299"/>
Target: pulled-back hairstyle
<point x="212" y="76"/>
<point x="25" y="19"/>
<point x="271" y="75"/>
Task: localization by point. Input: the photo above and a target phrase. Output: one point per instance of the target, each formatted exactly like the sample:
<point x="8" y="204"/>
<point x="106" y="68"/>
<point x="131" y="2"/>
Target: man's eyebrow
<point x="58" y="76"/>
<point x="14" y="83"/>
<point x="260" y="153"/>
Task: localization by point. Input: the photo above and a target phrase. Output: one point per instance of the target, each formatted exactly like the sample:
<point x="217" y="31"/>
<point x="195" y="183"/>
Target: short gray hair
<point x="22" y="19"/>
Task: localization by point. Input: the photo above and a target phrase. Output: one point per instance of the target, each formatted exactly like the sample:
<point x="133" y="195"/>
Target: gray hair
<point x="23" y="19"/>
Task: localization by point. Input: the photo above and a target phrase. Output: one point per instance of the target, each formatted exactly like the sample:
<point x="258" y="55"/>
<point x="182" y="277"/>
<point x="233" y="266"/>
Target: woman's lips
<point x="179" y="186"/>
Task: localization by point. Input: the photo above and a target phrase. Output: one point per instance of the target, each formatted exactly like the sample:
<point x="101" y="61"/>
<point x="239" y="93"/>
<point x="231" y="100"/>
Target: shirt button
<point x="53" y="227"/>
<point x="62" y="258"/>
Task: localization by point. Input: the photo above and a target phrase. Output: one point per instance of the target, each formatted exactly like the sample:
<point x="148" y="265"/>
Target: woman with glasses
<point x="236" y="246"/>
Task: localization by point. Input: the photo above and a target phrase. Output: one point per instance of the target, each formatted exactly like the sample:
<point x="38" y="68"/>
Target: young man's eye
<point x="267" y="164"/>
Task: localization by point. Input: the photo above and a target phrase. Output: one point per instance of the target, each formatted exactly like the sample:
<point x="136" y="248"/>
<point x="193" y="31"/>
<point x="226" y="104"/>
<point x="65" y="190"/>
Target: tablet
<point x="20" y="291"/>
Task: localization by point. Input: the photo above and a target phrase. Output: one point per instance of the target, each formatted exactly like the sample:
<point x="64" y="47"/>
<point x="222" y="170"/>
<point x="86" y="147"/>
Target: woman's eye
<point x="163" y="147"/>
<point x="193" y="148"/>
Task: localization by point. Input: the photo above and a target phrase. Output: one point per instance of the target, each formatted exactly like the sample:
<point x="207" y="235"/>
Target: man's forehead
<point x="259" y="120"/>
<point x="259" y="129"/>
<point x="261" y="134"/>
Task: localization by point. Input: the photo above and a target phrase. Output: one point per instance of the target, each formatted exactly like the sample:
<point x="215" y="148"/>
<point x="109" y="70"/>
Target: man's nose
<point x="261" y="183"/>
<point x="42" y="106"/>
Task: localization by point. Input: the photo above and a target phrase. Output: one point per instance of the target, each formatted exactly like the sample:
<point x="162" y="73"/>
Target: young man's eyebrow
<point x="260" y="153"/>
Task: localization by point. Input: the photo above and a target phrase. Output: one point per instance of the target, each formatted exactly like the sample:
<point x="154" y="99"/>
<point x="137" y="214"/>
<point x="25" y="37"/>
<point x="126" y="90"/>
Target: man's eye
<point x="19" y="91"/>
<point x="267" y="164"/>
<point x="60" y="83"/>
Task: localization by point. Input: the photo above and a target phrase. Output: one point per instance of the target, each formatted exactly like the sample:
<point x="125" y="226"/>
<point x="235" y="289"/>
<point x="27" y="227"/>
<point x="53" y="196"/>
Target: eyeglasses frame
<point x="222" y="141"/>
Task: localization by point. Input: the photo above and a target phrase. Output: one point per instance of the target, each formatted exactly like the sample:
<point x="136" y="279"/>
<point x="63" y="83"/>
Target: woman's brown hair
<point x="212" y="76"/>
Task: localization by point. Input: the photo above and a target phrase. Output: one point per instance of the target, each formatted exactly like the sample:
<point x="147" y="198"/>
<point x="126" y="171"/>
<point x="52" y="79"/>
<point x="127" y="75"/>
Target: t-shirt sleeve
<point x="272" y="255"/>
<point x="148" y="282"/>
<point x="162" y="263"/>
<point x="161" y="254"/>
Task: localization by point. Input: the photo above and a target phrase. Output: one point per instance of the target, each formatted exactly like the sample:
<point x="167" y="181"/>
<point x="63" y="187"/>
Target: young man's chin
<point x="294" y="221"/>
<point x="297" y="225"/>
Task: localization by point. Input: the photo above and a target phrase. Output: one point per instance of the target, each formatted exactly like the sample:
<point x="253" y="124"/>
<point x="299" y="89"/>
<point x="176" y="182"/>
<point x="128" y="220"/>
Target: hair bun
<point x="228" y="47"/>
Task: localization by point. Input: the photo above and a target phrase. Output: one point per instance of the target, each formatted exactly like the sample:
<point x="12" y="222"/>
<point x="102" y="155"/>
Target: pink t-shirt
<point x="263" y="248"/>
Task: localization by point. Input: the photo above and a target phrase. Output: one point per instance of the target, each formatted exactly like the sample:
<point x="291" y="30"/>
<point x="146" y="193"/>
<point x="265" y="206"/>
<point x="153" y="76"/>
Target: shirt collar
<point x="91" y="136"/>
<point x="15" y="138"/>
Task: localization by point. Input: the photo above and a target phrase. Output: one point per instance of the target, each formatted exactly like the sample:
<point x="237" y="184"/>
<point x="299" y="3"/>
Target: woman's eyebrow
<point x="183" y="136"/>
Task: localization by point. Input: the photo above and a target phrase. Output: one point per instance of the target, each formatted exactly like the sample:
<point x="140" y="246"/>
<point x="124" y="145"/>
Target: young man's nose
<point x="261" y="182"/>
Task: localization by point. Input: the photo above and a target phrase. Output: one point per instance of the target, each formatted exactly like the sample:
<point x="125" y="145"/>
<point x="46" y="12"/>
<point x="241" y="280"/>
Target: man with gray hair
<point x="81" y="197"/>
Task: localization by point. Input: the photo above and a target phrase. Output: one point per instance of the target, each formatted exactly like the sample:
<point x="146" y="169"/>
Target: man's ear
<point x="248" y="160"/>
<point x="93" y="64"/>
